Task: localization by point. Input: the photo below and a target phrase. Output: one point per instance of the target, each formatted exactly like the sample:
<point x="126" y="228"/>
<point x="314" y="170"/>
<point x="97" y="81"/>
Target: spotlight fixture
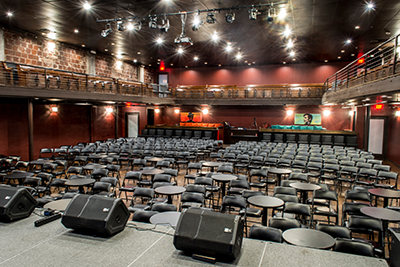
<point x="211" y="19"/>
<point x="182" y="38"/>
<point x="121" y="26"/>
<point x="197" y="22"/>
<point x="87" y="6"/>
<point x="107" y="31"/>
<point x="271" y="14"/>
<point x="165" y="25"/>
<point x="230" y="17"/>
<point x="153" y="22"/>
<point x="253" y="13"/>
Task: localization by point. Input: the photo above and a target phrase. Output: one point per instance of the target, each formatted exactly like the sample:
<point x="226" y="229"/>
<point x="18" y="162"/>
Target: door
<point x="377" y="136"/>
<point x="132" y="124"/>
<point x="163" y="78"/>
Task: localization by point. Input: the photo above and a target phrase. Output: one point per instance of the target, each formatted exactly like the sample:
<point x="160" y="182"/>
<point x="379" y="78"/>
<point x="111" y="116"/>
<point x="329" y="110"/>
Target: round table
<point x="170" y="190"/>
<point x="168" y="217"/>
<point x="211" y="164"/>
<point x="17" y="175"/>
<point x="223" y="178"/>
<point x="80" y="182"/>
<point x="265" y="202"/>
<point x="279" y="173"/>
<point x="40" y="162"/>
<point x="304" y="188"/>
<point x="151" y="171"/>
<point x="58" y="205"/>
<point x="94" y="166"/>
<point x="386" y="194"/>
<point x="308" y="238"/>
<point x="385" y="215"/>
<point x="96" y="157"/>
<point x="153" y="160"/>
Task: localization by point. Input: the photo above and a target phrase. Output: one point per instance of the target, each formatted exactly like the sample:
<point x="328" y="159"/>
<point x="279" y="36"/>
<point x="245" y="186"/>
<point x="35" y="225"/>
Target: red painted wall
<point x="360" y="122"/>
<point x="241" y="76"/>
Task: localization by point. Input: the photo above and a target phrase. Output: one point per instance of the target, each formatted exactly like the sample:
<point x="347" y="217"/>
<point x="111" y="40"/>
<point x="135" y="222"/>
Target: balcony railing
<point x="32" y="77"/>
<point x="378" y="64"/>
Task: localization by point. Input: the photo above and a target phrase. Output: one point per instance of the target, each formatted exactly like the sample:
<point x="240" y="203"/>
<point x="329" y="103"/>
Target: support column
<point x="30" y="128"/>
<point x="2" y="46"/>
<point x="116" y="121"/>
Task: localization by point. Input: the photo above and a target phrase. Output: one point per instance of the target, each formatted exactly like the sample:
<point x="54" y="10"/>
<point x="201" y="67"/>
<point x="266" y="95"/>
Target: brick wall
<point x="31" y="50"/>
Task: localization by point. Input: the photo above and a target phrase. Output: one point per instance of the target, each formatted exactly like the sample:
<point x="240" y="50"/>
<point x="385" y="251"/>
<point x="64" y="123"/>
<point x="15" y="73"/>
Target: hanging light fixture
<point x="107" y="31"/>
<point x="182" y="38"/>
<point x="230" y="17"/>
<point x="211" y="19"/>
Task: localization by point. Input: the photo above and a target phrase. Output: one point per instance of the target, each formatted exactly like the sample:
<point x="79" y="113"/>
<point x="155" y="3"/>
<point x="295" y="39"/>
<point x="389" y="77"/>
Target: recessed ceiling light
<point x="135" y="60"/>
<point x="180" y="50"/>
<point x="342" y="51"/>
<point x="238" y="56"/>
<point x="254" y="62"/>
<point x="282" y="13"/>
<point x="249" y="64"/>
<point x="76" y="31"/>
<point x="106" y="49"/>
<point x="205" y="63"/>
<point x="87" y="6"/>
<point x="292" y="53"/>
<point x="149" y="65"/>
<point x="290" y="44"/>
<point x="215" y="37"/>
<point x="287" y="32"/>
<point x="158" y="59"/>
<point x="348" y="41"/>
<point x="159" y="40"/>
<point x="284" y="62"/>
<point x="352" y="55"/>
<point x="196" y="58"/>
<point x="112" y="43"/>
<point x="294" y="59"/>
<point x="245" y="61"/>
<point x="138" y="53"/>
<point x="326" y="60"/>
<point x="83" y="45"/>
<point x="9" y="14"/>
<point x="172" y="64"/>
<point x="228" y="48"/>
<point x="339" y="57"/>
<point x="357" y="27"/>
<point x="219" y="65"/>
<point x="186" y="66"/>
<point x="370" y="5"/>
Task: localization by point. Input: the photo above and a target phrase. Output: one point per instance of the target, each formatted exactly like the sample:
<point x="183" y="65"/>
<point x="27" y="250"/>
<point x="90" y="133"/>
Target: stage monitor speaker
<point x="209" y="233"/>
<point x="97" y="215"/>
<point x="15" y="203"/>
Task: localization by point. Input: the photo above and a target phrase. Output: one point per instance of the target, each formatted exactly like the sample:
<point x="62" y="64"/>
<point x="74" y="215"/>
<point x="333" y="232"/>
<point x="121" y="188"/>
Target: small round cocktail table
<point x="308" y="238"/>
<point x="279" y="173"/>
<point x="211" y="164"/>
<point x="386" y="194"/>
<point x="80" y="182"/>
<point x="17" y="175"/>
<point x="170" y="190"/>
<point x="265" y="202"/>
<point x="223" y="178"/>
<point x="58" y="205"/>
<point x="304" y="188"/>
<point x="168" y="217"/>
<point x="154" y="160"/>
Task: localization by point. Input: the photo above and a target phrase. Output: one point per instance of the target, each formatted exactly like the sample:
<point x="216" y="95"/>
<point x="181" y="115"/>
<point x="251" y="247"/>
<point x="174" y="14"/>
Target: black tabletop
<point x="80" y="182"/>
<point x="386" y="193"/>
<point x="279" y="171"/>
<point x="168" y="217"/>
<point x="308" y="238"/>
<point x="40" y="162"/>
<point x="265" y="201"/>
<point x="154" y="159"/>
<point x="170" y="190"/>
<point x="381" y="213"/>
<point x="211" y="164"/>
<point x="305" y="186"/>
<point x="59" y="205"/>
<point x="97" y="156"/>
<point x="223" y="177"/>
<point x="94" y="166"/>
<point x="18" y="175"/>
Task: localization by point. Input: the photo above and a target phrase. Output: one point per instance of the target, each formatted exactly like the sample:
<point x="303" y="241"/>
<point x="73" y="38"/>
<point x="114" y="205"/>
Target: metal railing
<point x="378" y="64"/>
<point x="27" y="76"/>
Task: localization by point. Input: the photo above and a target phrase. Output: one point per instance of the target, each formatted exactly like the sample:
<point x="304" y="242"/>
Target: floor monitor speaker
<point x="96" y="215"/>
<point x="15" y="203"/>
<point x="209" y="233"/>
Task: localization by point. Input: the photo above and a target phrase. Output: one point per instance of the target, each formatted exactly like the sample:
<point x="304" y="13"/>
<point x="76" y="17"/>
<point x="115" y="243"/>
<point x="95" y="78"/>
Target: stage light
<point x="197" y="22"/>
<point x="253" y="13"/>
<point x="230" y="17"/>
<point x="107" y="31"/>
<point x="153" y="22"/>
<point x="326" y="112"/>
<point x="165" y="25"/>
<point x="211" y="19"/>
<point x="121" y="25"/>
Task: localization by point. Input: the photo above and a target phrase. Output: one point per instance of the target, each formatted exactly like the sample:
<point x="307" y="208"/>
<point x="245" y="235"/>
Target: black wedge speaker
<point x="15" y="203"/>
<point x="209" y="233"/>
<point x="97" y="215"/>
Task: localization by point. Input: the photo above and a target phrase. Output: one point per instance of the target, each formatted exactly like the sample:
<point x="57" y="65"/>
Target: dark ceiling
<point x="320" y="29"/>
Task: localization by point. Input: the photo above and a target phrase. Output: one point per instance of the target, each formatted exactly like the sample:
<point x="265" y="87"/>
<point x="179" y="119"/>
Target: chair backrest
<point x="285" y="190"/>
<point x="284" y="223"/>
<point x="196" y="188"/>
<point x="336" y="231"/>
<point x="354" y="247"/>
<point x="266" y="233"/>
<point x="192" y="197"/>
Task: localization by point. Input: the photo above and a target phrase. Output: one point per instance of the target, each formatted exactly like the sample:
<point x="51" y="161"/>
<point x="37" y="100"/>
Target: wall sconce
<point x="326" y="112"/>
<point x="109" y="110"/>
<point x="54" y="109"/>
<point x="157" y="110"/>
<point x="177" y="110"/>
<point x="289" y="112"/>
<point x="205" y="111"/>
<point x="398" y="113"/>
<point x="351" y="113"/>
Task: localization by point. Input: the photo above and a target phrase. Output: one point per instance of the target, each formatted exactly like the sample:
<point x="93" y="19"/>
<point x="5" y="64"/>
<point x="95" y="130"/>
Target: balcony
<point x="18" y="80"/>
<point x="375" y="73"/>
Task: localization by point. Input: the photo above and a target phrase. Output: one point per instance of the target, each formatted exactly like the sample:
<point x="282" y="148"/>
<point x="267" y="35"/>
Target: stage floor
<point x="23" y="244"/>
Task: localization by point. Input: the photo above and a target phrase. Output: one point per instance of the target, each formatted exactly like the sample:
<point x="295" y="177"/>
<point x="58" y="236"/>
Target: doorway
<point x="132" y="124"/>
<point x="377" y="136"/>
